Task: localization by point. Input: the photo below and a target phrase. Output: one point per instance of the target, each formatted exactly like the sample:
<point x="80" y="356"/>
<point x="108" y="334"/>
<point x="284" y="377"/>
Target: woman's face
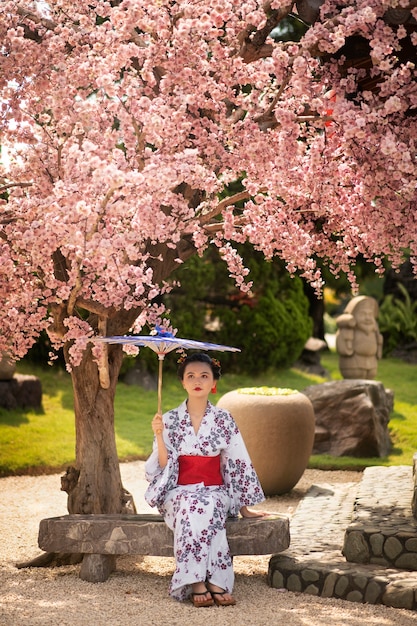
<point x="198" y="379"/>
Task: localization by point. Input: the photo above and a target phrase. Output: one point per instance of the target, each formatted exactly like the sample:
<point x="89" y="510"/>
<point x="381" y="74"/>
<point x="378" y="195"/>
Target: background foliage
<point x="270" y="325"/>
<point x="43" y="441"/>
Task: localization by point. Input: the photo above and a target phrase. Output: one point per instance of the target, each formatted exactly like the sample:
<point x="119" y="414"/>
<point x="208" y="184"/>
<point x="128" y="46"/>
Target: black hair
<point x="199" y="357"/>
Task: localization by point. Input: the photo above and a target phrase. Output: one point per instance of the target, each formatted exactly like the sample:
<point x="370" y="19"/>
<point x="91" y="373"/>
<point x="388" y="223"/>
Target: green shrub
<point x="398" y="320"/>
<point x="270" y="327"/>
<point x="272" y="333"/>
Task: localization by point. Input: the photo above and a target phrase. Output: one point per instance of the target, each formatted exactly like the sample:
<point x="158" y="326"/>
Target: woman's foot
<point x="200" y="596"/>
<point x="220" y="596"/>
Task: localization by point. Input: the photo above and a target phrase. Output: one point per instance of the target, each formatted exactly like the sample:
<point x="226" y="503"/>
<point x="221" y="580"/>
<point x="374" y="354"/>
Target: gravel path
<point x="136" y="594"/>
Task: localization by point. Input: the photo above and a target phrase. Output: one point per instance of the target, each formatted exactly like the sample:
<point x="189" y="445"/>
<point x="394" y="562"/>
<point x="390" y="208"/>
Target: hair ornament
<point x="182" y="358"/>
<point x="215" y="362"/>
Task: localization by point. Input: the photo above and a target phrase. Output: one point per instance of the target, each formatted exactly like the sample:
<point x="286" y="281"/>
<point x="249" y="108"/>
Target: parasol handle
<point x="161" y="359"/>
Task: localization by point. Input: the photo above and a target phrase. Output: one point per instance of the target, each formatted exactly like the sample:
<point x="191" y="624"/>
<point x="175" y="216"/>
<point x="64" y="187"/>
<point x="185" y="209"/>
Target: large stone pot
<point x="277" y="426"/>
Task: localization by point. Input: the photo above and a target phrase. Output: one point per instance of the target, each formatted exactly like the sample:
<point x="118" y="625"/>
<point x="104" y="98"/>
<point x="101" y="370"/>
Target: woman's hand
<point x="245" y="512"/>
<point x="158" y="428"/>
<point x="157" y="424"/>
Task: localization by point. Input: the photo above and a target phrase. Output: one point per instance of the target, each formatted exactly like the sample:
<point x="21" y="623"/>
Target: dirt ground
<point x="137" y="593"/>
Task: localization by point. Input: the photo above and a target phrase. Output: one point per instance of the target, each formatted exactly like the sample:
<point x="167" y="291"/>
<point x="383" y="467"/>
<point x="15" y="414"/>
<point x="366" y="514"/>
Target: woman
<point x="199" y="473"/>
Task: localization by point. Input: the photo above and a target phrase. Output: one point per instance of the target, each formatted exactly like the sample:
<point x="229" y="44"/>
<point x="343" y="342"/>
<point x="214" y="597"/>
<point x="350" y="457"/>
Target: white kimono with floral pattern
<point x="197" y="514"/>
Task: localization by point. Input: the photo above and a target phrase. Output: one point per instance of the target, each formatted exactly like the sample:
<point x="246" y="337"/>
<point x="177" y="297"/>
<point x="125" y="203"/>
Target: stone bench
<point x="100" y="538"/>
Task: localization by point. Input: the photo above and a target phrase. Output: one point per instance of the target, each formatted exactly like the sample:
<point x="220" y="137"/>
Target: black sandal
<point x="220" y="601"/>
<point x="208" y="602"/>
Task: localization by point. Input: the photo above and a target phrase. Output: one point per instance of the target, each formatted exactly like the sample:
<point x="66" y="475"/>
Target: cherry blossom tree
<point x="124" y="122"/>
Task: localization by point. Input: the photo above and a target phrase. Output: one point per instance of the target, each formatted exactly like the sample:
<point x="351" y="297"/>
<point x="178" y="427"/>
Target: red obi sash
<point x="199" y="469"/>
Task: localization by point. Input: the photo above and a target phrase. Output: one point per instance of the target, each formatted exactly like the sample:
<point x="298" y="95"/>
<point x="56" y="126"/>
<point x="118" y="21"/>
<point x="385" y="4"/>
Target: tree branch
<point x="252" y="41"/>
<point x="72" y="300"/>
<point x="96" y="308"/>
<point x="237" y="197"/>
<point x="103" y="363"/>
<point x="215" y="227"/>
<point x="7" y="186"/>
<point x="42" y="22"/>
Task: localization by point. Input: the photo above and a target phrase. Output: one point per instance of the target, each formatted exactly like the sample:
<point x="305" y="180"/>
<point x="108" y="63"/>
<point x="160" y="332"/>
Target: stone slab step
<point x="314" y="563"/>
<point x="328" y="575"/>
<point x="320" y="520"/>
<point x="383" y="529"/>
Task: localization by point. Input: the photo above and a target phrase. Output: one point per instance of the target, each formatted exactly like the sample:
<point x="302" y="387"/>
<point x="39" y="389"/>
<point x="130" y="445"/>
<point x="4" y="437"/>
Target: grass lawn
<point x="34" y="441"/>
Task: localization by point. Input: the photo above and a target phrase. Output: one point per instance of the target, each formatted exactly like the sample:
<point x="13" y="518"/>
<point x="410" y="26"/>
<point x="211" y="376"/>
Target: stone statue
<point x="358" y="340"/>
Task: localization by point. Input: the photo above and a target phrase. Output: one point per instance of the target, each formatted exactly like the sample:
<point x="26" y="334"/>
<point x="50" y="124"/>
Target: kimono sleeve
<point x="161" y="480"/>
<point x="239" y="475"/>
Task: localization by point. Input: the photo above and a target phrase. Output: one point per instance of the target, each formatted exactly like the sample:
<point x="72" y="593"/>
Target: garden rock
<point x="309" y="359"/>
<point x="20" y="392"/>
<point x="140" y="377"/>
<point x="351" y="418"/>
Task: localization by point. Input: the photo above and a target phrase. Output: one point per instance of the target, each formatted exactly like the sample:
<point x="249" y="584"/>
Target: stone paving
<point x="383" y="530"/>
<point x="377" y="516"/>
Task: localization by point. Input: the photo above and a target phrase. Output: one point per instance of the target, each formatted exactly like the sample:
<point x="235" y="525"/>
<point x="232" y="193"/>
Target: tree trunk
<point x="94" y="484"/>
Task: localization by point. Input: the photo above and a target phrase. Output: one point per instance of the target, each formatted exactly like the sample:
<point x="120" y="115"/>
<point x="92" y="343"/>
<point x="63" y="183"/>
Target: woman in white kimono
<point x="199" y="473"/>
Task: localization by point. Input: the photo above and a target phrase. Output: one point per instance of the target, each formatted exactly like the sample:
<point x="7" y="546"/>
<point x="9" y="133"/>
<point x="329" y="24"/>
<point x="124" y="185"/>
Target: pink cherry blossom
<point x="123" y="132"/>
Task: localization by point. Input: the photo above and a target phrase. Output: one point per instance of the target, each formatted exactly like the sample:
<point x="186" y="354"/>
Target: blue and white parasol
<point x="162" y="342"/>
